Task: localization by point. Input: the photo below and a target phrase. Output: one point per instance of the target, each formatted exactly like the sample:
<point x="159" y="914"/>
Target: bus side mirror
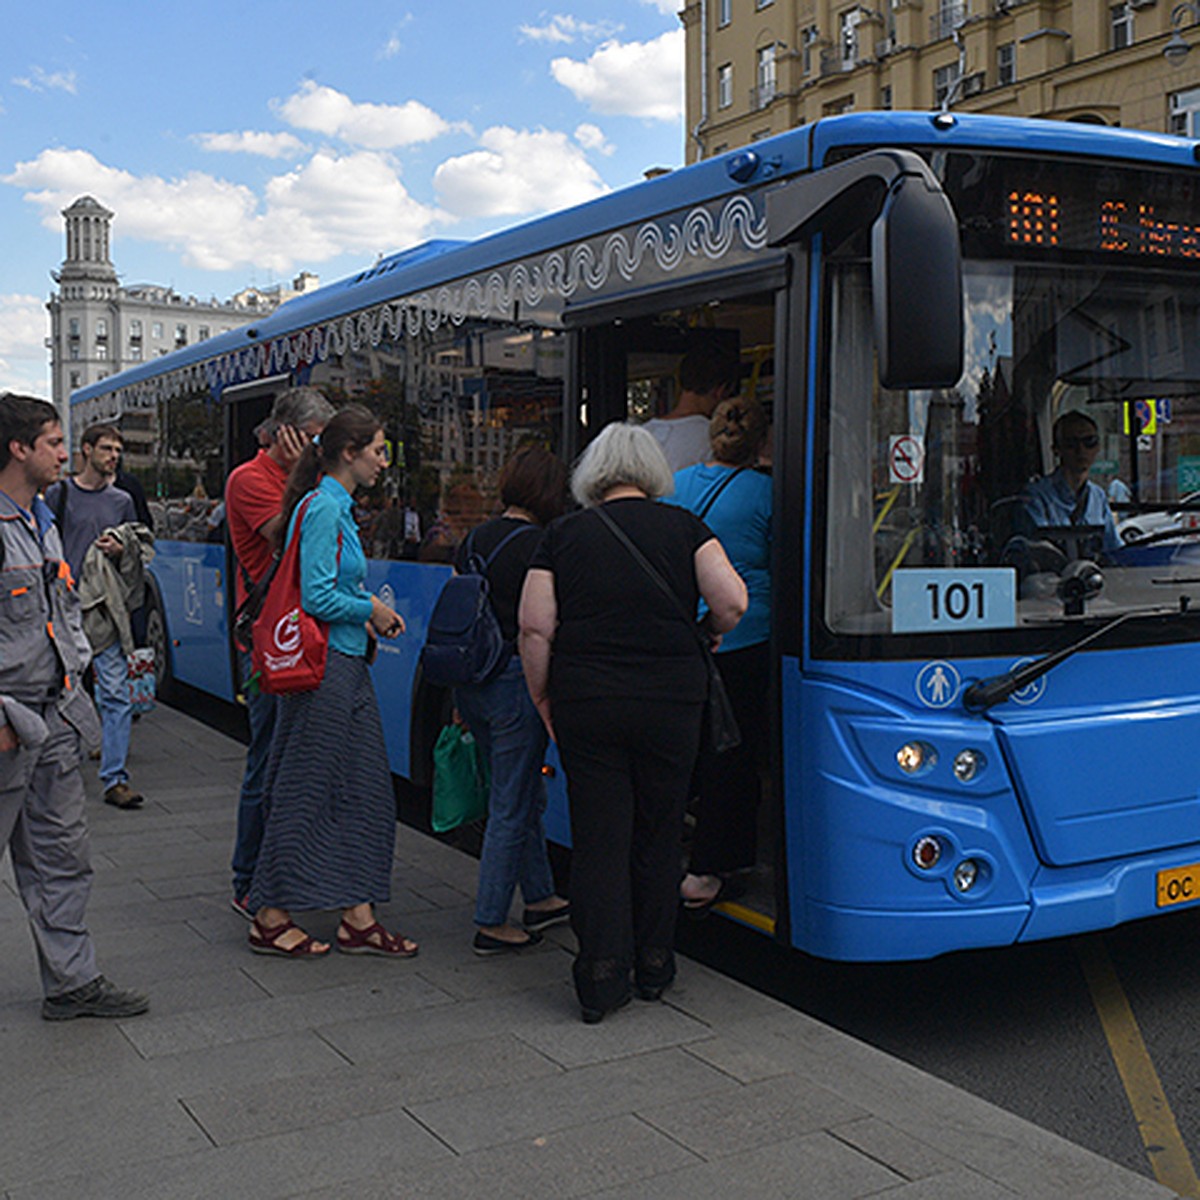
<point x="916" y="281"/>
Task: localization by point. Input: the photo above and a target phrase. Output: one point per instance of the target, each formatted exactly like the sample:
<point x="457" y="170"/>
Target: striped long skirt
<point x="330" y="810"/>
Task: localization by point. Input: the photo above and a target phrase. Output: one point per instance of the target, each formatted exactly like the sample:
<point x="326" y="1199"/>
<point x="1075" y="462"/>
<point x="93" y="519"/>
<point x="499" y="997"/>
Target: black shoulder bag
<point x="720" y="725"/>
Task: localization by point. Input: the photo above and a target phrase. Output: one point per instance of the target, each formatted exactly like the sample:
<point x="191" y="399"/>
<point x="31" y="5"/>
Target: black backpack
<point x="464" y="644"/>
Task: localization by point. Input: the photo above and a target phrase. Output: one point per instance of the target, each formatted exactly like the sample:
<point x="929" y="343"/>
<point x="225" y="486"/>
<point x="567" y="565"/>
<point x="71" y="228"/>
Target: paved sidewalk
<point x="448" y="1076"/>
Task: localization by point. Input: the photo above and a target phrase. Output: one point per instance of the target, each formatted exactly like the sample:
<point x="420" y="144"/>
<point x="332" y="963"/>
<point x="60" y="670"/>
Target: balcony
<point x="946" y="20"/>
<point x="764" y="94"/>
<point x="835" y="62"/>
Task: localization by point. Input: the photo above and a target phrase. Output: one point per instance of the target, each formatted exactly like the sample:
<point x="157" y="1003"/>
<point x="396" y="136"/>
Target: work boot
<point x="96" y="999"/>
<point x="121" y="795"/>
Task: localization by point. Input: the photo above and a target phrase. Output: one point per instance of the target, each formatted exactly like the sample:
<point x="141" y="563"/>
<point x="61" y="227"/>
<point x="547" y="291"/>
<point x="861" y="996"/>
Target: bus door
<point x="629" y="369"/>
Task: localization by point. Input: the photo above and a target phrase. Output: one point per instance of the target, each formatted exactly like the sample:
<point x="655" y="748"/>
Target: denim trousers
<point x="510" y="733"/>
<point x="116" y="713"/>
<point x="260" y="708"/>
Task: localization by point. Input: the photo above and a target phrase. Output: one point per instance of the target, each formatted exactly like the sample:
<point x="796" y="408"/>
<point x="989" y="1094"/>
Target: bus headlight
<point x="967" y="764"/>
<point x="926" y="852"/>
<point x="966" y="874"/>
<point x="915" y="756"/>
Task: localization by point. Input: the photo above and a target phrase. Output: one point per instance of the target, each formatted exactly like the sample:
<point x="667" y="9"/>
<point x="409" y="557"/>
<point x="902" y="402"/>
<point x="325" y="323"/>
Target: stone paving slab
<point x="449" y="1076"/>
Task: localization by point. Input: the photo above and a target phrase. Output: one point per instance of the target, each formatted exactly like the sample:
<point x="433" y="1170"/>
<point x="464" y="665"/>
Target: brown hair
<point x="93" y="433"/>
<point x="536" y="480"/>
<point x="22" y="419"/>
<point x="351" y="428"/>
<point x="737" y="430"/>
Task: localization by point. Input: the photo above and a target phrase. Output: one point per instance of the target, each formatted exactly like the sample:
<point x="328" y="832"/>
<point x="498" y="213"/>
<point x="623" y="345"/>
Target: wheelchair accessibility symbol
<point x="938" y="684"/>
<point x="191" y="591"/>
<point x="1031" y="692"/>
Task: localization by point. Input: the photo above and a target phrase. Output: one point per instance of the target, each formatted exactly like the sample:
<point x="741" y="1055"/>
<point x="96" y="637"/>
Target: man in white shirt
<point x="707" y="375"/>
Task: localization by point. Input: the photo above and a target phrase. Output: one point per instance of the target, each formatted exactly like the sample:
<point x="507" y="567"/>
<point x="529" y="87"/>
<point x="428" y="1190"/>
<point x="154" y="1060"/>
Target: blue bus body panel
<point x="191" y="582"/>
<point x="1053" y="845"/>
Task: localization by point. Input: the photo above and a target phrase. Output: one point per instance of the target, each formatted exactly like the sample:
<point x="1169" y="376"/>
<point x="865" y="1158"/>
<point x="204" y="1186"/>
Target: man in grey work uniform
<point x="44" y="714"/>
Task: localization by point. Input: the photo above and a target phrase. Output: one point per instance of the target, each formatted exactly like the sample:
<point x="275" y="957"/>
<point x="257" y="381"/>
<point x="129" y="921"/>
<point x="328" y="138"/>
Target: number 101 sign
<point x="941" y="601"/>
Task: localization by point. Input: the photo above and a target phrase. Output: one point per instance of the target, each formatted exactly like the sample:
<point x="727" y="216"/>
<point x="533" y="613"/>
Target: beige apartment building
<point x="758" y="67"/>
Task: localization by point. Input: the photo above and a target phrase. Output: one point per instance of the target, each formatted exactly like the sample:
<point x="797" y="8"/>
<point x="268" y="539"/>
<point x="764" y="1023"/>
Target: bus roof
<point x="433" y="263"/>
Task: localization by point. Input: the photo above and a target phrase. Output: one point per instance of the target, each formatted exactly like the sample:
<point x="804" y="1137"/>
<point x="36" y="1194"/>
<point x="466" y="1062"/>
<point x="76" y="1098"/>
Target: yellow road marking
<point x="1156" y="1123"/>
<point x="747" y="916"/>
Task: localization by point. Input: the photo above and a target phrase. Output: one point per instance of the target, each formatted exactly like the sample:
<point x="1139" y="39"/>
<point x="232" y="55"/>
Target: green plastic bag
<point x="461" y="780"/>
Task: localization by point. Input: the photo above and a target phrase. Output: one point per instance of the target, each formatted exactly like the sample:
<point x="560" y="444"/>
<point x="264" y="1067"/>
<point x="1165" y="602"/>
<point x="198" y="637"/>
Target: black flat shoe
<point x="484" y="944"/>
<point x="536" y="920"/>
<point x="651" y="993"/>
<point x="593" y="1016"/>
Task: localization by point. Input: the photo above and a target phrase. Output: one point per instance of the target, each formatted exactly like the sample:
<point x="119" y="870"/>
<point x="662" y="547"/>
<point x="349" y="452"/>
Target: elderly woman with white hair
<point x="616" y="670"/>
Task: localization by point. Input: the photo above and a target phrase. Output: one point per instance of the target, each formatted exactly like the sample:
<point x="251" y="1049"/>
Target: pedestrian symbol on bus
<point x="938" y="684"/>
<point x="906" y="459"/>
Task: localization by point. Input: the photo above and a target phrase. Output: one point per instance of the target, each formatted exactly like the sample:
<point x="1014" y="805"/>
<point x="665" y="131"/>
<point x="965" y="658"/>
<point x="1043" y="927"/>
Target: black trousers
<point x="728" y="787"/>
<point x="629" y="765"/>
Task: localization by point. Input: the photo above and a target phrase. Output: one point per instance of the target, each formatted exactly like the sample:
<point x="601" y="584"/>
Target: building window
<point x="724" y="13"/>
<point x="1184" y="117"/>
<point x="202" y="334"/>
<point x="765" y="76"/>
<point x="949" y="16"/>
<point x="74" y="380"/>
<point x="885" y="97"/>
<point x="101" y="327"/>
<point x="837" y="107"/>
<point x="74" y="351"/>
<point x="725" y="85"/>
<point x="1121" y="18"/>
<point x="808" y="41"/>
<point x="1006" y="63"/>
<point x="101" y="350"/>
<point x="943" y="81"/>
<point x="135" y="352"/>
<point x="135" y="328"/>
<point x="180" y="336"/>
<point x="156" y="329"/>
<point x="73" y="327"/>
<point x="848" y="36"/>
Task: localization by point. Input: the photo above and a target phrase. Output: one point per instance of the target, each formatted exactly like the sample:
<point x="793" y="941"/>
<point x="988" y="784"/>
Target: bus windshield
<point x="1059" y="479"/>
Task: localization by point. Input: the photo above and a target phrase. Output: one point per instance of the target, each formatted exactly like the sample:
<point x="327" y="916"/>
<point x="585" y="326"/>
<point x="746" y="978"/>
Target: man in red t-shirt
<point x="253" y="511"/>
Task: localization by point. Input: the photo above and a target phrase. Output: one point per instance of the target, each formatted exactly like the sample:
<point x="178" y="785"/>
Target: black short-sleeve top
<point x="618" y="635"/>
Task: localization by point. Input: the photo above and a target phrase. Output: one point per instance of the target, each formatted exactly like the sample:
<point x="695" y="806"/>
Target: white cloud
<point x="565" y="29"/>
<point x="24" y="362"/>
<point x="39" y="80"/>
<point x="268" y="145"/>
<point x="391" y="47"/>
<point x="633" y="79"/>
<point x="668" y="8"/>
<point x="330" y="205"/>
<point x="517" y="172"/>
<point x="591" y="137"/>
<point x="373" y="126"/>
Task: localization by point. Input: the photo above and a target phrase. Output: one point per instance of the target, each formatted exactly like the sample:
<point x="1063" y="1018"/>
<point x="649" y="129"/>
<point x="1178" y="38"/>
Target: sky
<point x="242" y="143"/>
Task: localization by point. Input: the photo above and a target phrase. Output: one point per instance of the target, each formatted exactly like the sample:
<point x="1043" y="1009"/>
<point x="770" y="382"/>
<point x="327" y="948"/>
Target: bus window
<point x="187" y="477"/>
<point x="455" y="404"/>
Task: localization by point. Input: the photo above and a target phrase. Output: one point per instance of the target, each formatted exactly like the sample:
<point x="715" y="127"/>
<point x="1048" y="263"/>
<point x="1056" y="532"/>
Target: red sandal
<point x="265" y="940"/>
<point x="389" y="945"/>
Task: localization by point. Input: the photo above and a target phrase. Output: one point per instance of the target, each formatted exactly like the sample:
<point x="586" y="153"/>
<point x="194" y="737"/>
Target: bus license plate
<point x="1178" y="885"/>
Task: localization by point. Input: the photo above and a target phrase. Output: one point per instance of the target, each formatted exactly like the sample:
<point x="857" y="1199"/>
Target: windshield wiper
<point x="984" y="693"/>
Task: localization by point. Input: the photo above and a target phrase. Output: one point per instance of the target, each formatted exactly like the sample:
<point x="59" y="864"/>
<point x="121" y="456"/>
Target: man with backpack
<point x="253" y="514"/>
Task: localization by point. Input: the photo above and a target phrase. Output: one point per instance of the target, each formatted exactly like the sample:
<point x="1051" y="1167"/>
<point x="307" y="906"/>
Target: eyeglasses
<point x="1089" y="441"/>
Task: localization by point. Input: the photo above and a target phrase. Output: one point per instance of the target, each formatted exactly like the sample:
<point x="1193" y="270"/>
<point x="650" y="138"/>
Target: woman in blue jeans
<point x="507" y="727"/>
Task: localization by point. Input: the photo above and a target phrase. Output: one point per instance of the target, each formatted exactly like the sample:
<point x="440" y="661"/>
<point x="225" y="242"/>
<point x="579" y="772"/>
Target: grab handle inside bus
<point x="916" y="260"/>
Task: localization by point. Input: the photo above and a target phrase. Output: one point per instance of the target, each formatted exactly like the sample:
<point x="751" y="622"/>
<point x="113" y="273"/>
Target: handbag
<point x="141" y="680"/>
<point x="720" y="724"/>
<point x="290" y="646"/>
<point x="460" y="780"/>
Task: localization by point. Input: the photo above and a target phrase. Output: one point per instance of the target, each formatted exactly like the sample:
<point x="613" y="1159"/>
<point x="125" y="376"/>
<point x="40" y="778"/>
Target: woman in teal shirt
<point x="734" y="501"/>
<point x="330" y="813"/>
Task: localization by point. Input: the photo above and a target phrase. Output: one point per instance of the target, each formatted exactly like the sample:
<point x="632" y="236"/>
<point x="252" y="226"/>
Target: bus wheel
<point x="156" y="639"/>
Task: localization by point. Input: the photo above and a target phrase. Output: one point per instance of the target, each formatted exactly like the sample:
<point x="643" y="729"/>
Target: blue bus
<point x="985" y="727"/>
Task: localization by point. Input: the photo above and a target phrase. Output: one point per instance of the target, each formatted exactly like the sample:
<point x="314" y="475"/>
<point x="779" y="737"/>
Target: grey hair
<point x="622" y="453"/>
<point x="299" y="407"/>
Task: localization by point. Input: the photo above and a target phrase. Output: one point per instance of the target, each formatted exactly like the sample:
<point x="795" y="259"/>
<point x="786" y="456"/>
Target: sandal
<point x="389" y="945"/>
<point x="265" y="940"/>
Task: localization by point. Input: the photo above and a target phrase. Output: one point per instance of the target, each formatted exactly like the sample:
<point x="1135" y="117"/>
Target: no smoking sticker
<point x="906" y="459"/>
